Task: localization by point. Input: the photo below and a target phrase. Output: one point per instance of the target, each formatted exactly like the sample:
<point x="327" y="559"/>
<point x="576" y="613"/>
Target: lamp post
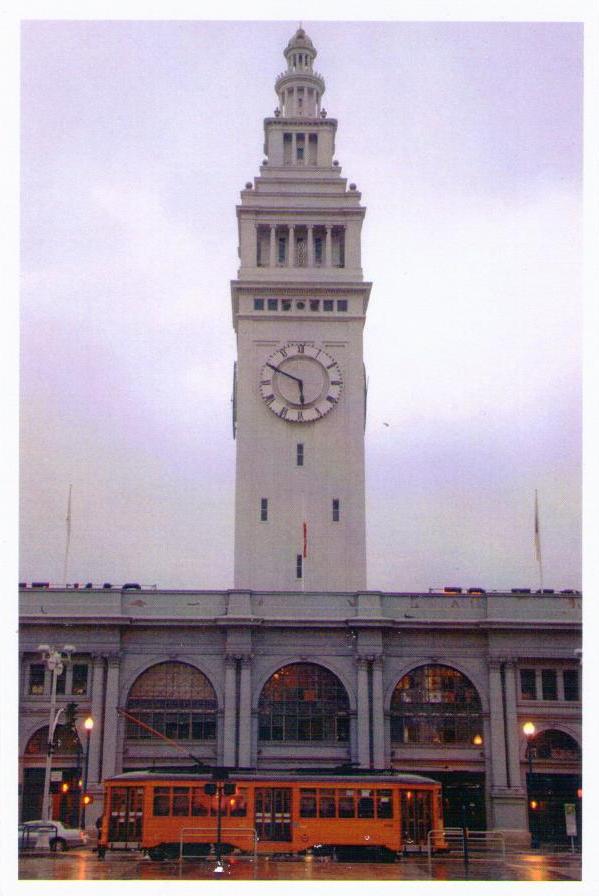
<point x="88" y="725"/>
<point x="55" y="662"/>
<point x="529" y="731"/>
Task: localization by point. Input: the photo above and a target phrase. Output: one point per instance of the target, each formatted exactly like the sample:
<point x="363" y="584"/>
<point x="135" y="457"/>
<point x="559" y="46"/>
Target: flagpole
<point x="538" y="539"/>
<point x="68" y="539"/>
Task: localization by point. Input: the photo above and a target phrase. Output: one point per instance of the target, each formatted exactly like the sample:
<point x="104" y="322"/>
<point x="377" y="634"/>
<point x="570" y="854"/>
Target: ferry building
<point x="299" y="665"/>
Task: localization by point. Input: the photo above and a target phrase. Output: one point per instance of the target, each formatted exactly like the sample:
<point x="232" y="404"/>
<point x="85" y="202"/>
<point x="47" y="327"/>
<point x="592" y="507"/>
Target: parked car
<point x="32" y="835"/>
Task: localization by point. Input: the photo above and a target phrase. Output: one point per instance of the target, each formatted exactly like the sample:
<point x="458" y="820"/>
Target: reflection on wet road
<point x="84" y="865"/>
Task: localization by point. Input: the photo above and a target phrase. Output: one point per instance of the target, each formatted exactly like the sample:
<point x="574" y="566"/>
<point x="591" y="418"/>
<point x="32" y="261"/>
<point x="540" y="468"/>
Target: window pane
<point x="347" y="808"/>
<point x="528" y="684"/>
<point x="37" y="672"/>
<point x="238" y="803"/>
<point x="161" y="800"/>
<point x="307" y="803"/>
<point x="198" y="802"/>
<point x="79" y="678"/>
<point x="384" y="804"/>
<point x="571" y="690"/>
<point x="549" y="684"/>
<point x="180" y="800"/>
<point x="326" y="803"/>
<point x="61" y="682"/>
<point x="365" y="804"/>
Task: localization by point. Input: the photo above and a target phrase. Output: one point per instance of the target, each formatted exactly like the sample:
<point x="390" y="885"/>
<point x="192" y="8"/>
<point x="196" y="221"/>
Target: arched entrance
<point x="554" y="787"/>
<point x="435" y="712"/>
<point x="65" y="775"/>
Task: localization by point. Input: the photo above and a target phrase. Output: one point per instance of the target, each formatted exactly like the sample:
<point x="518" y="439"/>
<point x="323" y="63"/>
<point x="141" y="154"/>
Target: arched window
<point x="435" y="705"/>
<point x="555" y="746"/>
<point x="176" y="700"/>
<point x="304" y="702"/>
<point x="66" y="742"/>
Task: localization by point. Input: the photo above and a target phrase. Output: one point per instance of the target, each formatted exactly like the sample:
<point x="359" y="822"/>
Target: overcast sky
<point x="465" y="140"/>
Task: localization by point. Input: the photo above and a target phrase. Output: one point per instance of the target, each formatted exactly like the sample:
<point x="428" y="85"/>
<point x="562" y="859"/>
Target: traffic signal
<point x="210" y="789"/>
<point x="87" y="799"/>
<point x="228" y="789"/>
<point x="64" y="787"/>
<point x="70" y="716"/>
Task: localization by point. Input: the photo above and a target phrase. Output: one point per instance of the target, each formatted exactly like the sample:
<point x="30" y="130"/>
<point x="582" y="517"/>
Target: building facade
<point x="300" y="665"/>
<point x="435" y="683"/>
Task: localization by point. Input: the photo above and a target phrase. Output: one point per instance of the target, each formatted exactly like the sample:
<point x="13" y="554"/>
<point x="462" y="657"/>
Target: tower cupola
<point x="300" y="88"/>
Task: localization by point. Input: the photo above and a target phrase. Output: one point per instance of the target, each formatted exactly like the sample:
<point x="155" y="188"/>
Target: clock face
<point x="301" y="382"/>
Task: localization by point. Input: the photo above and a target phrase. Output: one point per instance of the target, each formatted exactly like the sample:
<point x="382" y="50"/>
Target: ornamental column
<point x="95" y="741"/>
<point x="497" y="729"/>
<point x="363" y="714"/>
<point x="328" y="253"/>
<point x="378" y="715"/>
<point x="229" y="712"/>
<point x="245" y="712"/>
<point x="511" y="721"/>
<point x="273" y="246"/>
<point x="111" y="718"/>
<point x="291" y="247"/>
<point x="310" y="229"/>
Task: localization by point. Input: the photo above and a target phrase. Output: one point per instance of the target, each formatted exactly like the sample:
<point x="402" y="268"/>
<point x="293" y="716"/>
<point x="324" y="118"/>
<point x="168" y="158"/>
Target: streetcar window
<point x="307" y="803"/>
<point x="384" y="806"/>
<point x="162" y="800"/>
<point x="326" y="803"/>
<point x="366" y="804"/>
<point x="180" y="800"/>
<point x="347" y="807"/>
<point x="238" y="803"/>
<point x="198" y="805"/>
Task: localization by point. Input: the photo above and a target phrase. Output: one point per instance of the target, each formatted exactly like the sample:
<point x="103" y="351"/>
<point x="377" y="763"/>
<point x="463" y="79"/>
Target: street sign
<point x="570" y="813"/>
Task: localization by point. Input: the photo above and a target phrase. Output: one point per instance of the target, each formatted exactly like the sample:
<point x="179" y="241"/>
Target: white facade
<point x="300" y="504"/>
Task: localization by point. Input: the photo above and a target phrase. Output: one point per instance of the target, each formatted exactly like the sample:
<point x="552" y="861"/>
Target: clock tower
<point x="299" y="400"/>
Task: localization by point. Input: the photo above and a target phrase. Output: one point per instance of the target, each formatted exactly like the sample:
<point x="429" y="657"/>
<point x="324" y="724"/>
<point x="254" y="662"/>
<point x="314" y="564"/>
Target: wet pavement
<point x="84" y="865"/>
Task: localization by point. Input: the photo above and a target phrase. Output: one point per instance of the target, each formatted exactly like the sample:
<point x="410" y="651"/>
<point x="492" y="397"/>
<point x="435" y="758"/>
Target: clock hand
<point x="284" y="373"/>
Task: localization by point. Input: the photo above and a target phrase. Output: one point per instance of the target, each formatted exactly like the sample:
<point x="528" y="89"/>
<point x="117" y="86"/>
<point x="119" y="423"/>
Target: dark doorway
<point x="547" y="797"/>
<point x="463" y="798"/>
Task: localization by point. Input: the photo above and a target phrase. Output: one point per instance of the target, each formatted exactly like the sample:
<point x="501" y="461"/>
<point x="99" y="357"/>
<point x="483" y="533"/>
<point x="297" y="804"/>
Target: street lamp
<point x="529" y="731"/>
<point x="88" y="725"/>
<point x="55" y="661"/>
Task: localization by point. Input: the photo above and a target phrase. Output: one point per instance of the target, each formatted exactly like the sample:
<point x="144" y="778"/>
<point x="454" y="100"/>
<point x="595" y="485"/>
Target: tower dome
<point x="300" y="88"/>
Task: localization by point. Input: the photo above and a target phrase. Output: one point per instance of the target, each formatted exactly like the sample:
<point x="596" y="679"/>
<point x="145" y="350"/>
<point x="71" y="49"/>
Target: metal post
<point x="88" y="727"/>
<point x="46" y="803"/>
<point x="219" y="793"/>
<point x="465" y="833"/>
<point x="55" y="661"/>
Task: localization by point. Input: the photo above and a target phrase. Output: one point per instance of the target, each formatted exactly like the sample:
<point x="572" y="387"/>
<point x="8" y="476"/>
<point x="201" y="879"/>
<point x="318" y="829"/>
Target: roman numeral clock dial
<point x="300" y="382"/>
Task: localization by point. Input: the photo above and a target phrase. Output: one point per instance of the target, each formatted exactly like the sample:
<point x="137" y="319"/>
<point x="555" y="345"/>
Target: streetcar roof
<point x="319" y="778"/>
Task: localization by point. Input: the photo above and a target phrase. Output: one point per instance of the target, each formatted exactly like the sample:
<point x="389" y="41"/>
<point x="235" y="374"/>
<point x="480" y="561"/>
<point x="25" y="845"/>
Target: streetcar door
<point x="416" y="816"/>
<point x="273" y="814"/>
<point x="125" y="817"/>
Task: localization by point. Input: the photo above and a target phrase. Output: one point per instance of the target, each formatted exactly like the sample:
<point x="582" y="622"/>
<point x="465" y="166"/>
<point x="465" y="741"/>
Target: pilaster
<point x="96" y="737"/>
<point x="111" y="726"/>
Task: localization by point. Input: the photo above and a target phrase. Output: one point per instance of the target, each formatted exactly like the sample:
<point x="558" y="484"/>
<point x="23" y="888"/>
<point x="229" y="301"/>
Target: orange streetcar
<point x="172" y="814"/>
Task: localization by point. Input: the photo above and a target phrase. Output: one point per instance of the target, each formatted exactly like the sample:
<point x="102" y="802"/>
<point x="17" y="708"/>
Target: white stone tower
<point x="299" y="306"/>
